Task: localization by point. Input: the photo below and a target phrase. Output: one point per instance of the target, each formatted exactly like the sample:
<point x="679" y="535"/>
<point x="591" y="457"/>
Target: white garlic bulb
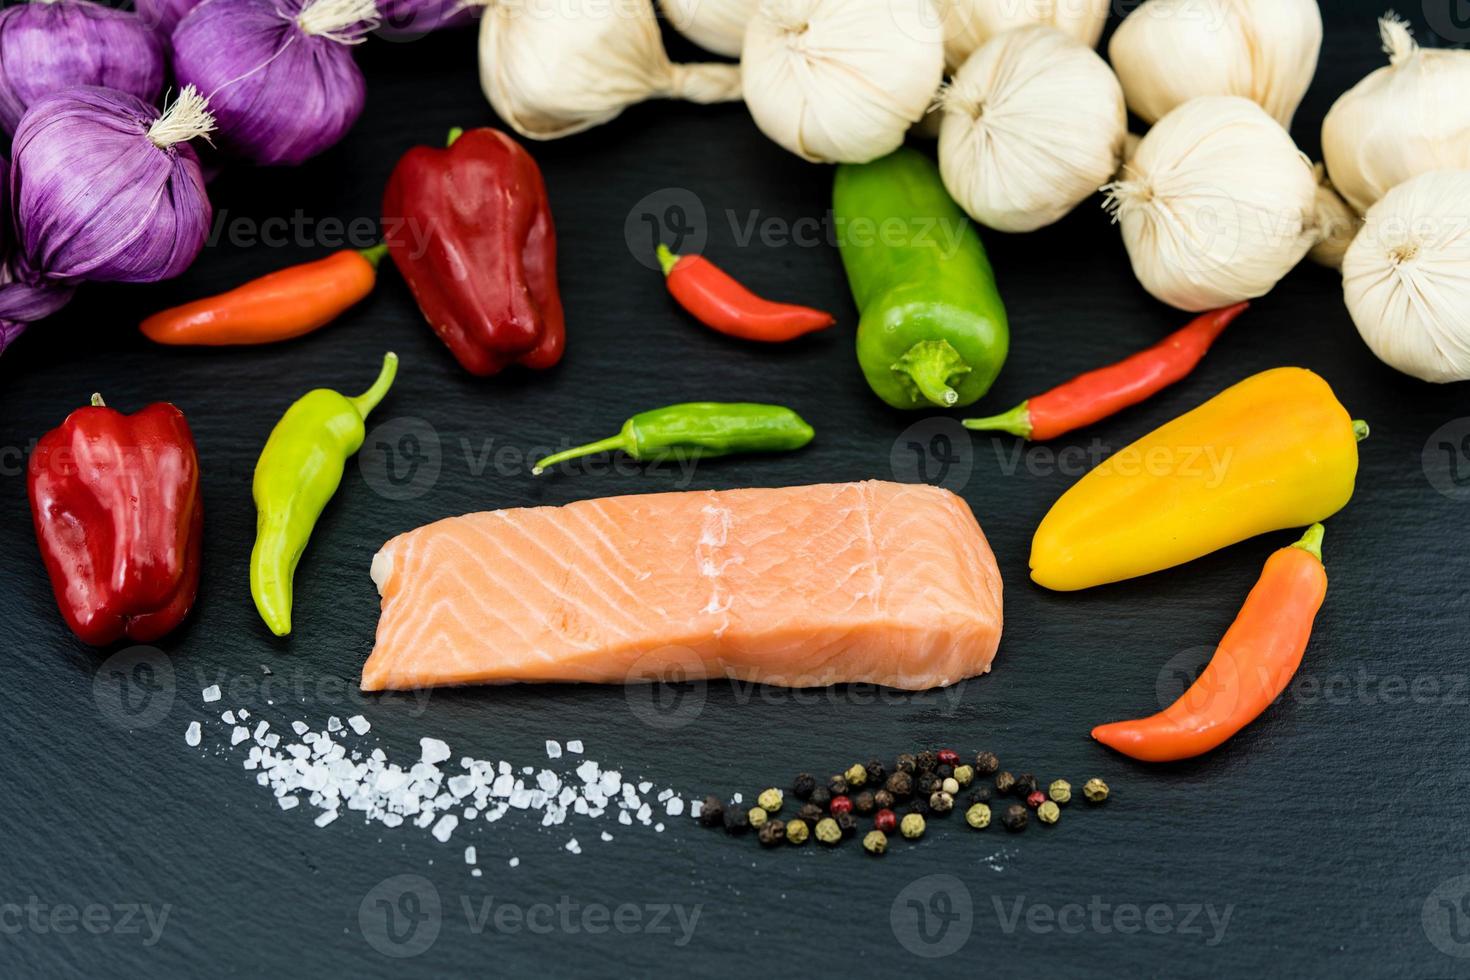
<point x="840" y="81"/>
<point x="715" y="25"/>
<point x="1216" y="205"/>
<point x="1033" y="124"/>
<point x="1170" y="51"/>
<point x="1405" y="119"/>
<point x="970" y="23"/>
<point x="1406" y="277"/>
<point x="552" y="68"/>
<point x="1337" y="223"/>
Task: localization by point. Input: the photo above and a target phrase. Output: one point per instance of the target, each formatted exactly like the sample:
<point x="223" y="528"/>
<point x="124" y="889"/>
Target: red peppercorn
<point x="840" y="804"/>
<point x="885" y="820"/>
<point x="949" y="757"/>
<point x="1035" y="799"/>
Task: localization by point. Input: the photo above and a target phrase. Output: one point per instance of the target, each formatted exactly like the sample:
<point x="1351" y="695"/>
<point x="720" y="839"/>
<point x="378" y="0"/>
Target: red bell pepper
<point x="118" y="515"/>
<point x="469" y="228"/>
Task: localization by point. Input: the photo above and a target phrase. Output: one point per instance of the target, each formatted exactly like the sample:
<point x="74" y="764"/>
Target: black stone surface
<point x="1331" y="832"/>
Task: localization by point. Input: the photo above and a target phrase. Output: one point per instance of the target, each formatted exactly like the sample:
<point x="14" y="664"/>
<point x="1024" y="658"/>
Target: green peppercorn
<point x="986" y="763"/>
<point x="796" y="832"/>
<point x="773" y="833"/>
<point x="964" y="775"/>
<point x="926" y="761"/>
<point x="856" y="775"/>
<point x="810" y="812"/>
<point x="712" y="812"/>
<point x="1060" y="790"/>
<point x="822" y="797"/>
<point x="876" y="842"/>
<point x="1049" y="812"/>
<point x="770" y="800"/>
<point x="944" y="770"/>
<point x="883" y="800"/>
<point x="950" y="786"/>
<point x="837" y="785"/>
<point x="941" y="802"/>
<point x="1015" y="818"/>
<point x="757" y="816"/>
<point x="803" y="785"/>
<point x="978" y="816"/>
<point x="1095" y="790"/>
<point x="1025" y="785"/>
<point x="980" y="794"/>
<point x="907" y="763"/>
<point x="847" y="823"/>
<point x="863" y="802"/>
<point x="912" y="826"/>
<point x="828" y="832"/>
<point x="927" y="784"/>
<point x="900" y="784"/>
<point x="876" y="772"/>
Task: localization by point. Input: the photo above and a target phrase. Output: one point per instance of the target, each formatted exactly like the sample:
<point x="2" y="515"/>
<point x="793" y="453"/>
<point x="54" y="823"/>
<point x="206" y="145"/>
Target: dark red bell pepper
<point x="469" y="228"/>
<point x="118" y="515"/>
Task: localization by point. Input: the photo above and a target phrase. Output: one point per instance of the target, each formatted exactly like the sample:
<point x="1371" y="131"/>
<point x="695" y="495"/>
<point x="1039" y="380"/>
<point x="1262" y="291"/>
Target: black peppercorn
<point x="876" y="772"/>
<point x="928" y="783"/>
<point x="773" y="833"/>
<point x="837" y="785"/>
<point x="926" y="761"/>
<point x="944" y="770"/>
<point x="906" y="763"/>
<point x="980" y="794"/>
<point x="821" y="797"/>
<point x="1004" y="782"/>
<point x="918" y="805"/>
<point x="900" y="784"/>
<point x="736" y="822"/>
<point x="1015" y="818"/>
<point x="1025" y="785"/>
<point x="863" y="802"/>
<point x="811" y="813"/>
<point x="986" y="763"/>
<point x="712" y="814"/>
<point x="847" y="823"/>
<point x="883" y="800"/>
<point x="803" y="785"/>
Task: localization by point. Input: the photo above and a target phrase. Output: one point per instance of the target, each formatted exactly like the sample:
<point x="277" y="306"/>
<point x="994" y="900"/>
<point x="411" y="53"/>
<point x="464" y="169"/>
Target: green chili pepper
<point x="696" y="430"/>
<point x="933" y="328"/>
<point x="299" y="470"/>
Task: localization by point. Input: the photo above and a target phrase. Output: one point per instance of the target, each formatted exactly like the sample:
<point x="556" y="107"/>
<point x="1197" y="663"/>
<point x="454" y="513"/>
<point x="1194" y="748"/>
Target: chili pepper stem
<point x="368" y="400"/>
<point x="375" y="254"/>
<point x="1017" y="422"/>
<point x="97" y="401"/>
<point x="666" y="258"/>
<point x="601" y="446"/>
<point x="1311" y="542"/>
<point x="1361" y="430"/>
<point x="931" y="365"/>
<point x="454" y="134"/>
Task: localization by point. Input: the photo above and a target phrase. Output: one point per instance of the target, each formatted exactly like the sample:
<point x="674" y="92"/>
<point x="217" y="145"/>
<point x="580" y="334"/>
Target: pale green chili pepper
<point x="299" y="470"/>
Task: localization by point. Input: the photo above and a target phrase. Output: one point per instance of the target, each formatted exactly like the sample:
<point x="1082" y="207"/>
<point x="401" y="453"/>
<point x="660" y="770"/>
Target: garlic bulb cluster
<point x="840" y="81"/>
<point x="1216" y="205"/>
<point x="1406" y="277"/>
<point x="1337" y="223"/>
<point x="1033" y="124"/>
<point x="1405" y="119"/>
<point x="1170" y="51"/>
<point x="715" y="25"/>
<point x="970" y="23"/>
<point x="552" y="68"/>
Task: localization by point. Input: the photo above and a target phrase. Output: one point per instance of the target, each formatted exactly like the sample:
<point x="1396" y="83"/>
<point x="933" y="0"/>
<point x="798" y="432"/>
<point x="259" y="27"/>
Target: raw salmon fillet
<point x="883" y="583"/>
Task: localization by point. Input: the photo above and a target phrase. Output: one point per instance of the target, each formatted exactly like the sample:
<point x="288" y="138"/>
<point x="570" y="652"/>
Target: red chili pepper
<point x="715" y="299"/>
<point x="116" y="504"/>
<point x="470" y="229"/>
<point x="1251" y="667"/>
<point x="1094" y="396"/>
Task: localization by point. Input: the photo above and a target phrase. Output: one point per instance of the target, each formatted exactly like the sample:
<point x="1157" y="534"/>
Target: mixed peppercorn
<point x="922" y="786"/>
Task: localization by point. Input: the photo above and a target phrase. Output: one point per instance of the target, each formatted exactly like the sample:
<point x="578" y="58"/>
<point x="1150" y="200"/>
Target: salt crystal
<point x="193" y="735"/>
<point x="674" y="807"/>
<point x="300" y="727"/>
<point x="475" y="872"/>
<point x="445" y="827"/>
<point x="696" y="808"/>
<point x="574" y="746"/>
<point x="553" y="749"/>
<point x="240" y="734"/>
<point x="469" y="854"/>
<point x="666" y="794"/>
<point x="658" y="828"/>
<point x="434" y="750"/>
<point x="261" y="729"/>
<point x="242" y="714"/>
<point x="606" y="836"/>
<point x="359" y="724"/>
<point x="288" y="802"/>
<point x="573" y="846"/>
<point x="326" y="818"/>
<point x="514" y="862"/>
<point x="210" y="694"/>
<point x="334" y="724"/>
<point x="228" y="717"/>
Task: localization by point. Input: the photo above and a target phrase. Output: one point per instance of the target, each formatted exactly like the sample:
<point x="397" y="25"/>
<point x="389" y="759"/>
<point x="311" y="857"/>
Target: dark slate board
<point x="1332" y="830"/>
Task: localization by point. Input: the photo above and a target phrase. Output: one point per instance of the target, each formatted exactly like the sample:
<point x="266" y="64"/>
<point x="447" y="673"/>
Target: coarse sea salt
<point x="210" y="694"/>
<point x="193" y="735"/>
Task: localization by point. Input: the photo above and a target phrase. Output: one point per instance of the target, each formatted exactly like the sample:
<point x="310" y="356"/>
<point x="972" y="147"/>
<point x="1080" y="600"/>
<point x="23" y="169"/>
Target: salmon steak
<point x="880" y="583"/>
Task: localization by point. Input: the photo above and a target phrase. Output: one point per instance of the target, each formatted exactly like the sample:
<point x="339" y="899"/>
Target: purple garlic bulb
<point x="24" y="298"/>
<point x="49" y="46"/>
<point x="162" y="16"/>
<point x="105" y="188"/>
<point x="282" y="81"/>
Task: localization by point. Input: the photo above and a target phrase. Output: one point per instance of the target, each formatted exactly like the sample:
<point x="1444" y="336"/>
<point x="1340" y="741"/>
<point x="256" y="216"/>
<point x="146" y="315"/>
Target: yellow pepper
<point x="1275" y="451"/>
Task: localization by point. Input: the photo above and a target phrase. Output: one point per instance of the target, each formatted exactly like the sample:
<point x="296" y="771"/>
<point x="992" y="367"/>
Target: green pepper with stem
<point x="696" y="430"/>
<point x="933" y="331"/>
<point x="298" y="472"/>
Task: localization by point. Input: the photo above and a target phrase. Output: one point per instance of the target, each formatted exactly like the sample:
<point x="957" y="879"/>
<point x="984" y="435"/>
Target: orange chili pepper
<point x="1251" y="667"/>
<point x="717" y="300"/>
<point x="277" y="306"/>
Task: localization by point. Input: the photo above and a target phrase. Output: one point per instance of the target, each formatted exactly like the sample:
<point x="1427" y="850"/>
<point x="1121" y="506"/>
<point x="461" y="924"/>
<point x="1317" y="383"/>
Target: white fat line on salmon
<point x="713" y="534"/>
